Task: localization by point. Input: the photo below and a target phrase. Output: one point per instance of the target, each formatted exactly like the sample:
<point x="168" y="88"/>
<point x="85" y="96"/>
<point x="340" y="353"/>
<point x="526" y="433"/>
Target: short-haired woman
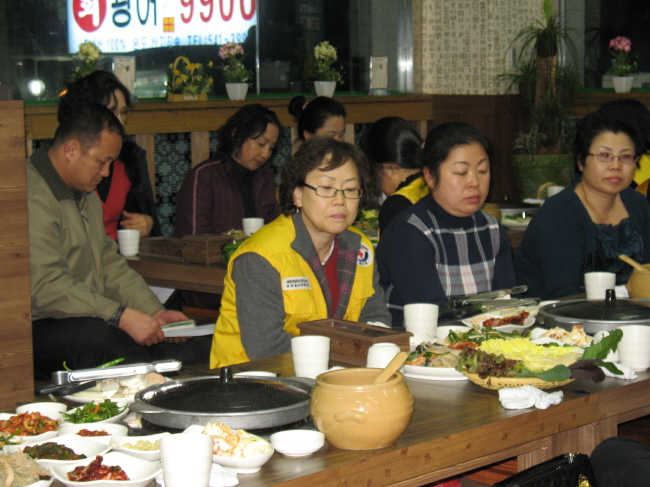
<point x="306" y="265"/>
<point x="321" y="117"/>
<point x="444" y="245"/>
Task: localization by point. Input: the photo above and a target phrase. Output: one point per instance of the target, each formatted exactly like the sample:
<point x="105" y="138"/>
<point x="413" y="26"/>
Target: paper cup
<point x="252" y="225"/>
<point x="311" y="355"/>
<point x="421" y="319"/>
<point x="597" y="284"/>
<point x="128" y="242"/>
<point x="634" y="347"/>
<point x="380" y="354"/>
<point x="186" y="459"/>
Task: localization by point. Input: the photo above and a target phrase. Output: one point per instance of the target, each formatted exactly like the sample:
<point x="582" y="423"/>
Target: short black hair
<point x="249" y="122"/>
<point x="313" y="115"/>
<point x="309" y="156"/>
<point x="393" y="140"/>
<point x="443" y="138"/>
<point x="595" y="124"/>
<point x="97" y="87"/>
<point x="86" y="124"/>
<point x="630" y="111"/>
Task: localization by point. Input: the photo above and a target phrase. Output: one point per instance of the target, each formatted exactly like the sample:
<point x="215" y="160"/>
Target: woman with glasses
<point x="308" y="264"/>
<point x="588" y="225"/>
<point x="444" y="245"/>
<point x="126" y="194"/>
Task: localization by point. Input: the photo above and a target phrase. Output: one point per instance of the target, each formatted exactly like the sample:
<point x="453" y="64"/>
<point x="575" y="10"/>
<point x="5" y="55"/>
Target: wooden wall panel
<point x="16" y="366"/>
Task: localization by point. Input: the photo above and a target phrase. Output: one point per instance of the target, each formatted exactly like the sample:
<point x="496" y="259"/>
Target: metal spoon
<point x="391" y="368"/>
<point x="633" y="263"/>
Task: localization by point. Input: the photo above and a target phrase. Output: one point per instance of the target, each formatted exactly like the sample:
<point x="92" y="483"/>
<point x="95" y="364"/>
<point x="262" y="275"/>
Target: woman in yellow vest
<point x="394" y="149"/>
<point x="308" y="264"/>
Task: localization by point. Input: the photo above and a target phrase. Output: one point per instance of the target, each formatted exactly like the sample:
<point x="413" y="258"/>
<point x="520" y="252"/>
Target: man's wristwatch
<point x="115" y="319"/>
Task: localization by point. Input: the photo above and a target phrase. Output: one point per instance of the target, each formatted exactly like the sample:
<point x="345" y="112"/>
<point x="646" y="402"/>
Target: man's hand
<point x="165" y="316"/>
<point x="144" y="329"/>
<point x="137" y="221"/>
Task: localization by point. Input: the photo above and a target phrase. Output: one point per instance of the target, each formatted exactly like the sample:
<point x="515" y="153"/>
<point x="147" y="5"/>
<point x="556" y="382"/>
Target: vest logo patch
<point x="292" y="283"/>
<point x="364" y="257"/>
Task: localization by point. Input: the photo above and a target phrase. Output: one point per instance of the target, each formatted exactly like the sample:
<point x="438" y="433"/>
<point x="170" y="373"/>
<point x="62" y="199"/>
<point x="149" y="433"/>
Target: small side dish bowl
<point x="140" y="472"/>
<point x="80" y="445"/>
<point x="45" y="408"/>
<point x="115" y="419"/>
<point x="33" y="438"/>
<point x="110" y="428"/>
<point x="118" y="443"/>
<point x="297" y="443"/>
<point x="243" y="465"/>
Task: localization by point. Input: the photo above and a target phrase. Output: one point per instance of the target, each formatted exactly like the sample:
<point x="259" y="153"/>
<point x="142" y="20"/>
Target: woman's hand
<point x="137" y="221"/>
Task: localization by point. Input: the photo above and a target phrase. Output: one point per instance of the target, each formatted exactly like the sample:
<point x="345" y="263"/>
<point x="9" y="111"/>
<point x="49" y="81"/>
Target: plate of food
<point x="62" y="450"/>
<point x="516" y="222"/>
<point x="124" y="388"/>
<point x="517" y="320"/>
<point x="106" y="411"/>
<point x="433" y="362"/>
<point x="29" y="427"/>
<point x="24" y="470"/>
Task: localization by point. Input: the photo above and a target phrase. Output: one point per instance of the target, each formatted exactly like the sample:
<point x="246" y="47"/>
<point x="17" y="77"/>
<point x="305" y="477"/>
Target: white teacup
<point x="421" y="319"/>
<point x="634" y="347"/>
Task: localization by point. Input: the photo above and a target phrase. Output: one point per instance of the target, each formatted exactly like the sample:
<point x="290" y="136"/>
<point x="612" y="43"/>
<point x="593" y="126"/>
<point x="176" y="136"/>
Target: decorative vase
<point x="622" y="84"/>
<point x="533" y="170"/>
<point x="325" y="88"/>
<point x="185" y="97"/>
<point x="237" y="91"/>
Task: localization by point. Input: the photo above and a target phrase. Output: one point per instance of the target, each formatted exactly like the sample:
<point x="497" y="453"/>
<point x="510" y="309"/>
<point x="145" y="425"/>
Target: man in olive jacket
<point x="88" y="305"/>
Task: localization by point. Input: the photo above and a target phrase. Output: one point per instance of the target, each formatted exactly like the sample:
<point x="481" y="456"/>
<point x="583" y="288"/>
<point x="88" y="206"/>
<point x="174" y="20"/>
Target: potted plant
<point x="622" y="66"/>
<point x="188" y="81"/>
<point x="87" y="59"/>
<point x="547" y="91"/>
<point x="235" y="74"/>
<point x="323" y="72"/>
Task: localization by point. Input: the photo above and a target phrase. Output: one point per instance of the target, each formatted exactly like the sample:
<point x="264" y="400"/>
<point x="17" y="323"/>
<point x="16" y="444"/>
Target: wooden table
<point x="158" y="271"/>
<point x="457" y="427"/>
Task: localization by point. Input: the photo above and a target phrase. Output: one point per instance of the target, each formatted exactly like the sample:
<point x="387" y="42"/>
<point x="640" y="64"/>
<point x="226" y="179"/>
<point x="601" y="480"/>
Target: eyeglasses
<point x="330" y="192"/>
<point x="609" y="157"/>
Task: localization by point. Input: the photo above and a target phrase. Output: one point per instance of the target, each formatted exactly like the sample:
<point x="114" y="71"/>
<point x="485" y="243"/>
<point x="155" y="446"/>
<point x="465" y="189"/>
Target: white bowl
<point x="114" y="419"/>
<point x="79" y="444"/>
<point x="140" y="472"/>
<point x="111" y="428"/>
<point x="42" y="407"/>
<point x="32" y="439"/>
<point x="117" y="443"/>
<point x="42" y="483"/>
<point x="243" y="465"/>
<point x="297" y="443"/>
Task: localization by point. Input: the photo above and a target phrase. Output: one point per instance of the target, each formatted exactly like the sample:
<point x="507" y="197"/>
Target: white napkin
<point x="528" y="396"/>
<point x="628" y="372"/>
<point x="621" y="291"/>
<point x="219" y="477"/>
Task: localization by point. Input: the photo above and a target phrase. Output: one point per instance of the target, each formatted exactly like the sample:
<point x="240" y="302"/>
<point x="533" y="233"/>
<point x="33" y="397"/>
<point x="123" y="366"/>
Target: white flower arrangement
<point x="325" y="55"/>
<point x="87" y="59"/>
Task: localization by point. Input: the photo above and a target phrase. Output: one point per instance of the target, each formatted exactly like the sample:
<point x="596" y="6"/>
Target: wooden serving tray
<point x="350" y="340"/>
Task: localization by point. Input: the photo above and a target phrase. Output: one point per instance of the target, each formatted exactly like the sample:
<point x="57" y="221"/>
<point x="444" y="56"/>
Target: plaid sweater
<point x="427" y="255"/>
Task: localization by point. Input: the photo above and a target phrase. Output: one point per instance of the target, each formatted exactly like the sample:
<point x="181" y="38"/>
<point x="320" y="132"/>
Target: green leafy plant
<point x="234" y="70"/>
<point x="87" y="59"/>
<point x="187" y="78"/>
<point x="547" y="88"/>
<point x="323" y="69"/>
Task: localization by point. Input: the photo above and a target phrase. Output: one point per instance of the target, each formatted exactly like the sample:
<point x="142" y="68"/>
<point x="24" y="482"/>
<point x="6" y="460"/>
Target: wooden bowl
<point x="496" y="383"/>
<point x="639" y="284"/>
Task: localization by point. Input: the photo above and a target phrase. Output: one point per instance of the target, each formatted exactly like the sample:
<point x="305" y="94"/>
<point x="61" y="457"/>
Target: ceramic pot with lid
<point x="357" y="415"/>
<point x="596" y="315"/>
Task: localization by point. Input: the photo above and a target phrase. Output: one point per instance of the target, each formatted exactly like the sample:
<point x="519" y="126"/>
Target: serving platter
<point x="432" y="373"/>
<point x="496" y="383"/>
<point x="476" y="322"/>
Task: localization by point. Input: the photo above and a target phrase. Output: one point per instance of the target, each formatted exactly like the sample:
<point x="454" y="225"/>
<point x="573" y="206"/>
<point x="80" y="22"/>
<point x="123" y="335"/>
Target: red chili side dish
<point x="86" y="432"/>
<point x="96" y="471"/>
<point x="28" y="424"/>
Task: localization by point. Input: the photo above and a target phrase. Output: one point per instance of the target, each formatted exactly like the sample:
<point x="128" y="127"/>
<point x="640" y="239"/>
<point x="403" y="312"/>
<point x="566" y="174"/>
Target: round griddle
<point x="242" y="402"/>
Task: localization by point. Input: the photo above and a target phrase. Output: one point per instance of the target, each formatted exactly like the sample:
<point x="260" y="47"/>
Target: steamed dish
<point x="235" y="443"/>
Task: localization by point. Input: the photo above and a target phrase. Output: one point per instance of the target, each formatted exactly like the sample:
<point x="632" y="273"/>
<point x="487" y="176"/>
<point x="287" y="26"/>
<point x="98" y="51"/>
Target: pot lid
<point x="612" y="310"/>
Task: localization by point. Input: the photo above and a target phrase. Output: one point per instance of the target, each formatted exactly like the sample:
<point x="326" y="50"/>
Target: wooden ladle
<point x="391" y="368"/>
<point x="633" y="263"/>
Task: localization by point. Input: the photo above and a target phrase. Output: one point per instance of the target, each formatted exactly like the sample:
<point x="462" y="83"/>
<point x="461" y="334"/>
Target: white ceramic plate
<point x="35" y="438"/>
<point x="111" y="428"/>
<point x="476" y="322"/>
<point x="95" y="395"/>
<point x="114" y="419"/>
<point x="78" y="444"/>
<point x="117" y="442"/>
<point x="432" y="373"/>
<point x="140" y="472"/>
<point x="514" y="225"/>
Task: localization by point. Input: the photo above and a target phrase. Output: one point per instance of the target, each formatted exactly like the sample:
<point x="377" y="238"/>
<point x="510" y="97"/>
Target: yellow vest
<point x="642" y="172"/>
<point x="415" y="190"/>
<point x="302" y="301"/>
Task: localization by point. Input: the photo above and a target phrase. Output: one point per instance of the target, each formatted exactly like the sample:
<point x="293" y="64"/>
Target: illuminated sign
<point x="130" y="25"/>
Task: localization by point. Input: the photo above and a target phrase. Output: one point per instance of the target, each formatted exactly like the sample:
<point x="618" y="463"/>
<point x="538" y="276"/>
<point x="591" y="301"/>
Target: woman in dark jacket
<point x="126" y="194"/>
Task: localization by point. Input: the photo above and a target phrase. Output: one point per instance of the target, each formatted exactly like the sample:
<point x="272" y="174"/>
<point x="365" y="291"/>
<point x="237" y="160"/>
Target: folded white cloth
<point x="628" y="372"/>
<point x="219" y="477"/>
<point x="528" y="396"/>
